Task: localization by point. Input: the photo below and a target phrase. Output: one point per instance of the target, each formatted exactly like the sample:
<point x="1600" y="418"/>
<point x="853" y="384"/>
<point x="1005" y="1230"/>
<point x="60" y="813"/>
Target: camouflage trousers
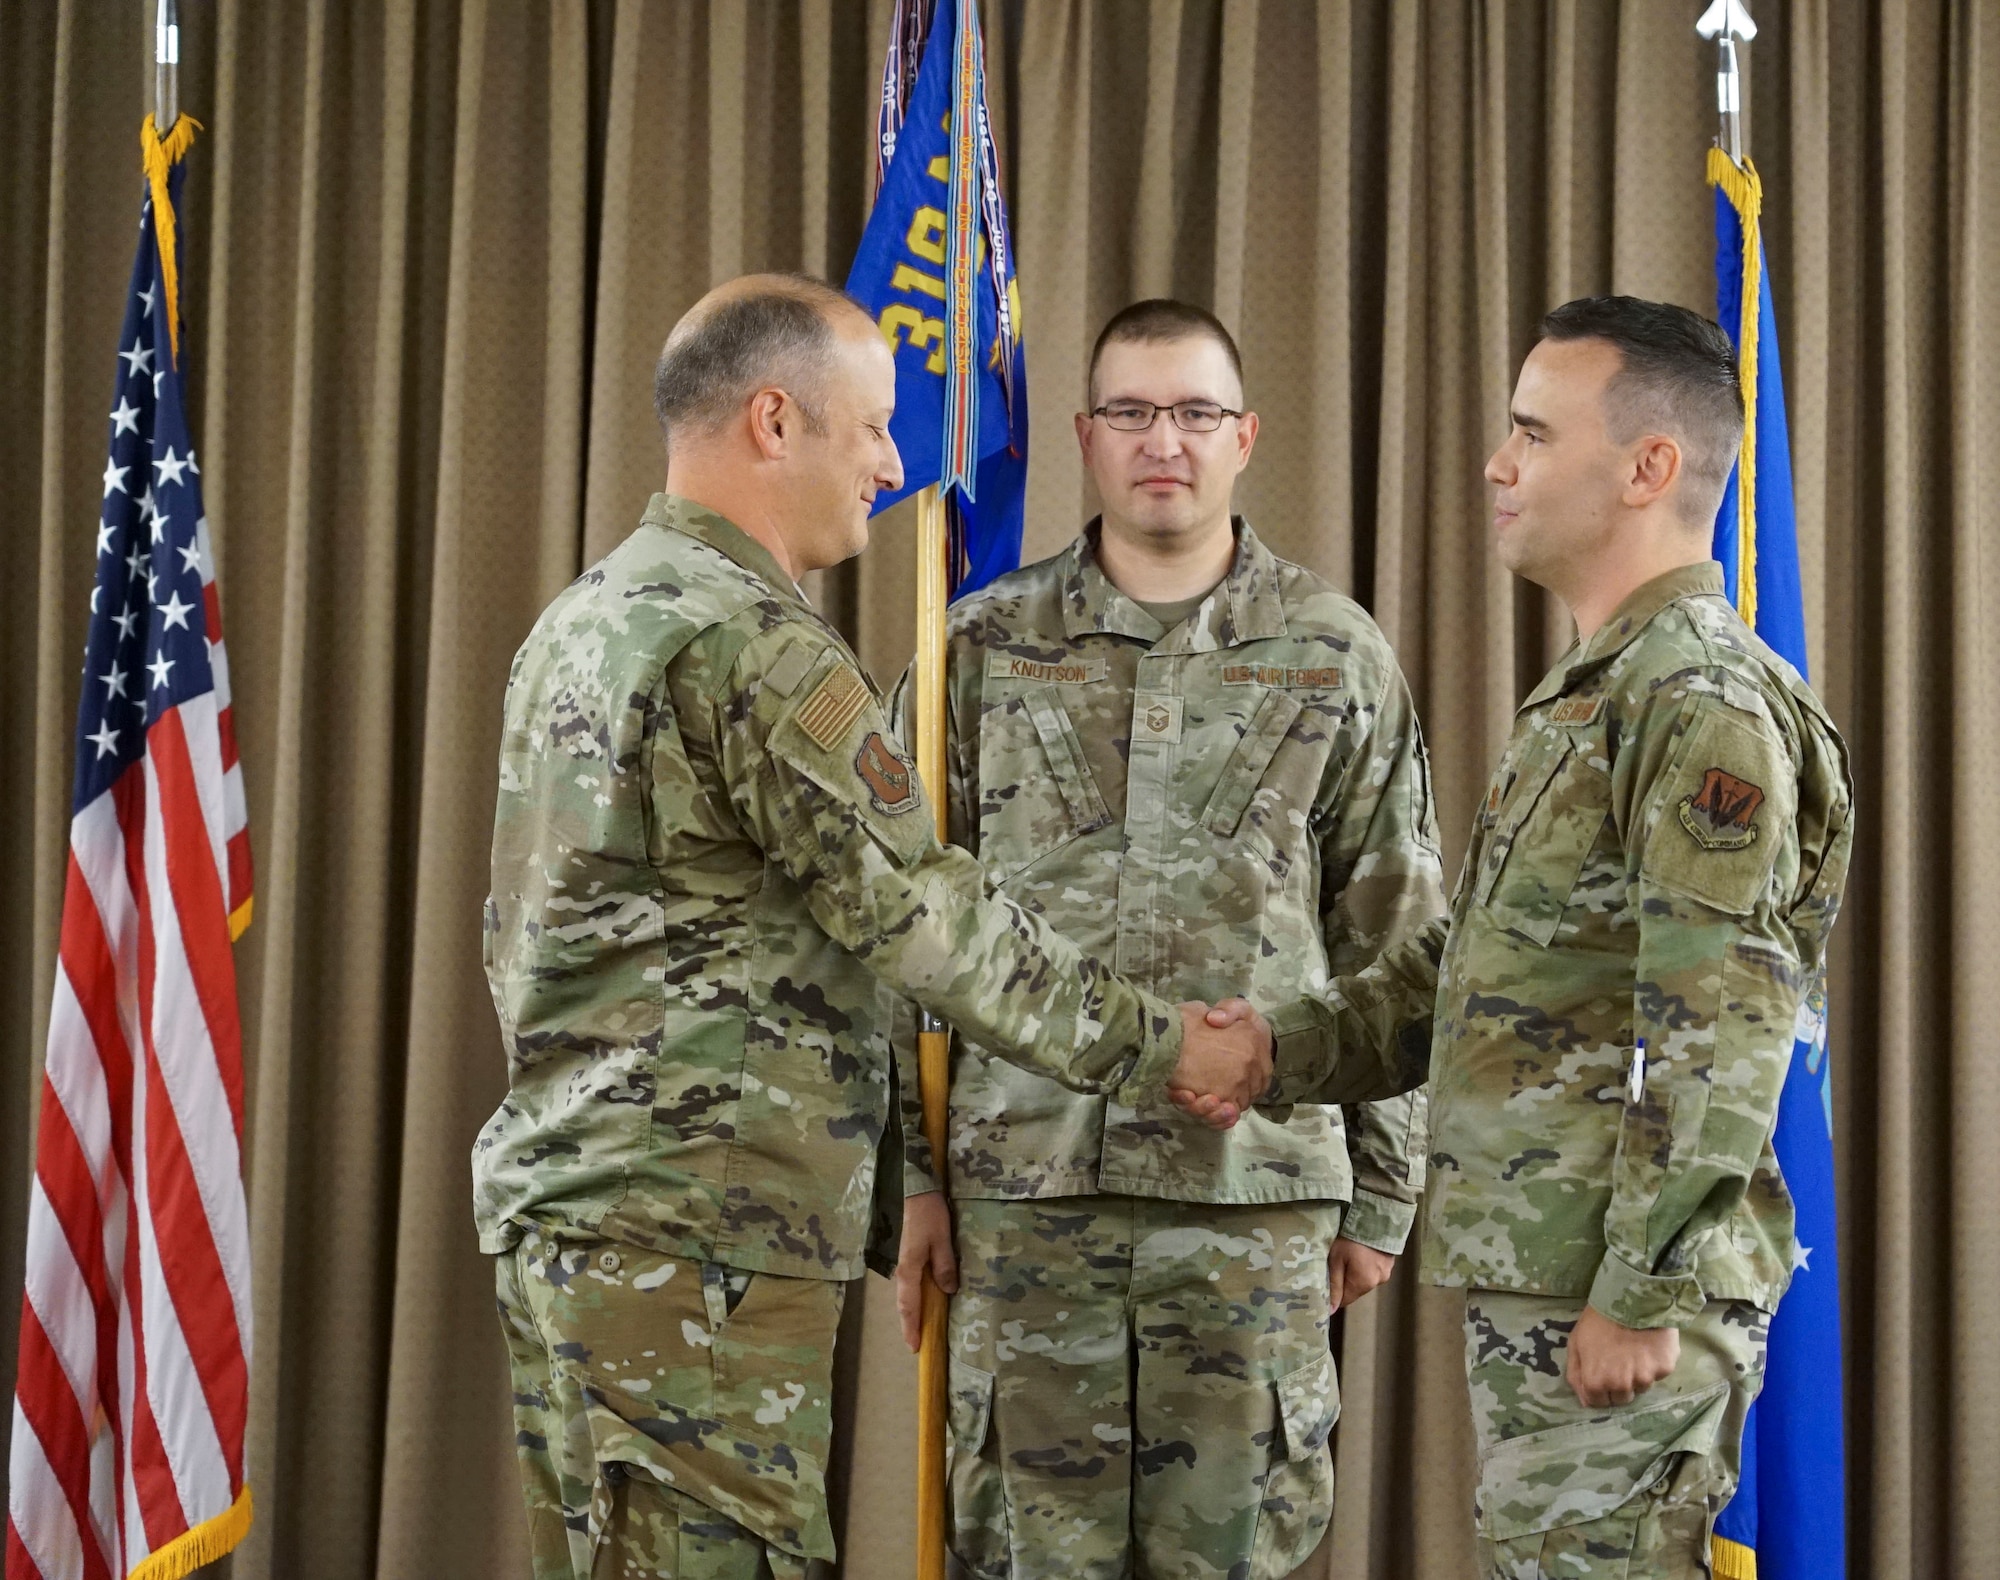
<point x="672" y="1418"/>
<point x="1626" y="1491"/>
<point x="1140" y="1388"/>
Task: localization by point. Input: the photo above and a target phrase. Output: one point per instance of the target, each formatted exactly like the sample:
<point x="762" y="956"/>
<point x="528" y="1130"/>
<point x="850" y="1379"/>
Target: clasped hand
<point x="1225" y="1063"/>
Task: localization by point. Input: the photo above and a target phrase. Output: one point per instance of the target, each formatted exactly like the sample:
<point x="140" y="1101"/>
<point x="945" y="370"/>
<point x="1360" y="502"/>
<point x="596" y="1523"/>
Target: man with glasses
<point x="1202" y="763"/>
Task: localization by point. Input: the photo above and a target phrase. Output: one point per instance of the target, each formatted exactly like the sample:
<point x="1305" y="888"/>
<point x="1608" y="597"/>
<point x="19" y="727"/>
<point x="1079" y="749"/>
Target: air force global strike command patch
<point x="887" y="773"/>
<point x="1720" y="815"/>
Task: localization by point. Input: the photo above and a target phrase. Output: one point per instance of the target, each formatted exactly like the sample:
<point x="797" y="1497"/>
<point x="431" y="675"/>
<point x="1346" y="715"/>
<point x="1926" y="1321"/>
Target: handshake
<point x="1225" y="1064"/>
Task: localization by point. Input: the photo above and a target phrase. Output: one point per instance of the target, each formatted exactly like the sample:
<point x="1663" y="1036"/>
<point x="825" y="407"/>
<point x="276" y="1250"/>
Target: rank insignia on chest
<point x="1156" y="718"/>
<point x="1720" y="814"/>
<point x="886" y="773"/>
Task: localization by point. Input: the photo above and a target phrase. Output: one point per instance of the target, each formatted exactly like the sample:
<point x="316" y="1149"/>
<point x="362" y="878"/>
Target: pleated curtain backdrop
<point x="434" y="249"/>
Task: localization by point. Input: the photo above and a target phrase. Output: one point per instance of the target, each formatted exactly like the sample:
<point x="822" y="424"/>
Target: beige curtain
<point x="434" y="249"/>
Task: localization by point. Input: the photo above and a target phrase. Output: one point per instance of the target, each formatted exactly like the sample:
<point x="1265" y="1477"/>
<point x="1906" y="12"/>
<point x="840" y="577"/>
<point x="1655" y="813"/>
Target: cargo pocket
<point x="1589" y="1470"/>
<point x="1297" y="1503"/>
<point x="980" y="1534"/>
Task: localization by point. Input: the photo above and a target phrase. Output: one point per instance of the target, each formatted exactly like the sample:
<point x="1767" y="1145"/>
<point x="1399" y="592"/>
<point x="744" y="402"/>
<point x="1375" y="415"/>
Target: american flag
<point x="127" y="1453"/>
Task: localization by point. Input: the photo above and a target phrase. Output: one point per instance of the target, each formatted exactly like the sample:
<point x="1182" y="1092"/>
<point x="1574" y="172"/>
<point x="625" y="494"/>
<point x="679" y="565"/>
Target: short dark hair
<point x="779" y="334"/>
<point x="1157" y="320"/>
<point x="1678" y="378"/>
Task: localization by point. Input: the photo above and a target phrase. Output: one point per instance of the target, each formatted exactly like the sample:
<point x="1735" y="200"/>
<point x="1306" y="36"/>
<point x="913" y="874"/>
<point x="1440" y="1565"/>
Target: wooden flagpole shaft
<point x="933" y="1039"/>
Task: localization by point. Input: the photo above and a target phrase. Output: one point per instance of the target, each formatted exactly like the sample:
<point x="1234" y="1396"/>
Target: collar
<point x="1245" y="606"/>
<point x="1644" y="604"/>
<point x="676" y="514"/>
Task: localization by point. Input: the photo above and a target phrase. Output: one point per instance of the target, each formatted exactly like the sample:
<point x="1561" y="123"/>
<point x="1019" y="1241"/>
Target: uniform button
<point x="608" y="1261"/>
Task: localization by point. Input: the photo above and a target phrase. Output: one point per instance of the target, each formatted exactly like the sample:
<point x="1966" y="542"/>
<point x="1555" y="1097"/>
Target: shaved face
<point x="1559" y="476"/>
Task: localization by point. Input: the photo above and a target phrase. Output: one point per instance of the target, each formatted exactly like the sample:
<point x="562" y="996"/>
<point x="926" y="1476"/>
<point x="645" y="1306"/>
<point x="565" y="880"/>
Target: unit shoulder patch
<point x="888" y="774"/>
<point x="836" y="702"/>
<point x="1073" y="672"/>
<point x="1721" y="814"/>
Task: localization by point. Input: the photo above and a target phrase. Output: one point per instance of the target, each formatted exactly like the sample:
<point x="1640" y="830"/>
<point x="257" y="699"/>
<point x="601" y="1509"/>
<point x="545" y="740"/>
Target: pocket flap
<point x="970" y="1405"/>
<point x="764" y="1485"/>
<point x="1245" y="769"/>
<point x="1309" y="1403"/>
<point x="1087" y="810"/>
<point x="1570" y="1474"/>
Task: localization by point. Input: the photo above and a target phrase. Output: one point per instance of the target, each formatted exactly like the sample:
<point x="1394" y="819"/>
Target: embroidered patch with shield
<point x="1720" y="814"/>
<point x="889" y="775"/>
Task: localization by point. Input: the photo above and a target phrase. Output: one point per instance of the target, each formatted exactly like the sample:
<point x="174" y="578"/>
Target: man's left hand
<point x="1610" y="1364"/>
<point x="1354" y="1270"/>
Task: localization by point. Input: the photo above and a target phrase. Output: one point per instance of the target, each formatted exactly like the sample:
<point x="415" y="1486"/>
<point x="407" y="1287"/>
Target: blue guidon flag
<point x="936" y="268"/>
<point x="1788" y="1518"/>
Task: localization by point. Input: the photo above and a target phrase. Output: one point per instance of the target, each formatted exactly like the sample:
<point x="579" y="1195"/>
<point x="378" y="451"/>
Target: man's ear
<point x="1655" y="470"/>
<point x="770" y="424"/>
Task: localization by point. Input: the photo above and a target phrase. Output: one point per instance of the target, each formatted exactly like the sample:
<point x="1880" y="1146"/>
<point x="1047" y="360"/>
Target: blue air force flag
<point x="935" y="267"/>
<point x="1787" y="1520"/>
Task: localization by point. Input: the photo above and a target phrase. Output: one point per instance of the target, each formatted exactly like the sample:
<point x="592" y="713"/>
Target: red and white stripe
<point x="134" y="1367"/>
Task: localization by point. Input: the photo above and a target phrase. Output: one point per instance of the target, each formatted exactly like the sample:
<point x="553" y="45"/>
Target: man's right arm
<point x="1368" y="1036"/>
<point x="820" y="783"/>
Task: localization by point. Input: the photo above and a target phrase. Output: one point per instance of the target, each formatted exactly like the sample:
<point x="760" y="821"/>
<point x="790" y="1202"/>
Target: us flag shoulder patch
<point x="835" y="704"/>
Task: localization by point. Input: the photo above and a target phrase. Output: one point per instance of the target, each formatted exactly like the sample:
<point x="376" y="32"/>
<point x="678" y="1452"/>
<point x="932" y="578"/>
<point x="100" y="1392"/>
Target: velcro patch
<point x="1720" y="814"/>
<point x="1156" y="718"/>
<point x="793" y="665"/>
<point x="1077" y="672"/>
<point x="1279" y="675"/>
<point x="835" y="704"/>
<point x="1577" y="710"/>
<point x="888" y="774"/>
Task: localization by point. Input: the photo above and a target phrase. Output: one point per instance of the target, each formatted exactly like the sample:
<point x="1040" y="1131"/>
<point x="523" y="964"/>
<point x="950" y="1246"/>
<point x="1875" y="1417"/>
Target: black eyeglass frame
<point x="1154" y="408"/>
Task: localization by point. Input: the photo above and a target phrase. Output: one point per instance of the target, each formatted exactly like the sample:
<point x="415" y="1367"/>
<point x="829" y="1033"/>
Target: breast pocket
<point x="1544" y="835"/>
<point x="1264" y="799"/>
<point x="1038" y="792"/>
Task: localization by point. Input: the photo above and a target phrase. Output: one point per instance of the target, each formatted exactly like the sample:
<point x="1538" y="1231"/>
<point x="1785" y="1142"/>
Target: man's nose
<point x="889" y="476"/>
<point x="1500" y="467"/>
<point x="1163" y="439"/>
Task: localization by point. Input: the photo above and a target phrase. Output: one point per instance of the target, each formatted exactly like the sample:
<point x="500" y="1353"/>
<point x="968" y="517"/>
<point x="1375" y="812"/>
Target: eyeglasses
<point x="1190" y="416"/>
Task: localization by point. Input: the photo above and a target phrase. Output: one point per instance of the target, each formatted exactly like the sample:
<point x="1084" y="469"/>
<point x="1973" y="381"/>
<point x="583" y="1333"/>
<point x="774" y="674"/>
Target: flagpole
<point x="166" y="67"/>
<point x="933" y="1037"/>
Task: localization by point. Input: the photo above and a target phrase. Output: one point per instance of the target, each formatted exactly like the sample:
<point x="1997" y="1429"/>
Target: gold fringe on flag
<point x="1739" y="183"/>
<point x="209" y="1540"/>
<point x="1729" y="1560"/>
<point x="161" y="157"/>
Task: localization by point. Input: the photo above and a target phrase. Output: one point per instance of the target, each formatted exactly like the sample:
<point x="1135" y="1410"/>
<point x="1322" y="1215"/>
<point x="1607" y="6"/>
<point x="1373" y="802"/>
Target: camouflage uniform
<point x="714" y="876"/>
<point x="1644" y="908"/>
<point x="1238" y="805"/>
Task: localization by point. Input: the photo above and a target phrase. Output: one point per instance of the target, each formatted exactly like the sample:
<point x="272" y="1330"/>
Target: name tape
<point x="1080" y="672"/>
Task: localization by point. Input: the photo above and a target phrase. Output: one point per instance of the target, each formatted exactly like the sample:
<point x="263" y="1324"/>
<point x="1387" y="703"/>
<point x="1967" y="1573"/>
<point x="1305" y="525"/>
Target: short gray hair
<point x="780" y="334"/>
